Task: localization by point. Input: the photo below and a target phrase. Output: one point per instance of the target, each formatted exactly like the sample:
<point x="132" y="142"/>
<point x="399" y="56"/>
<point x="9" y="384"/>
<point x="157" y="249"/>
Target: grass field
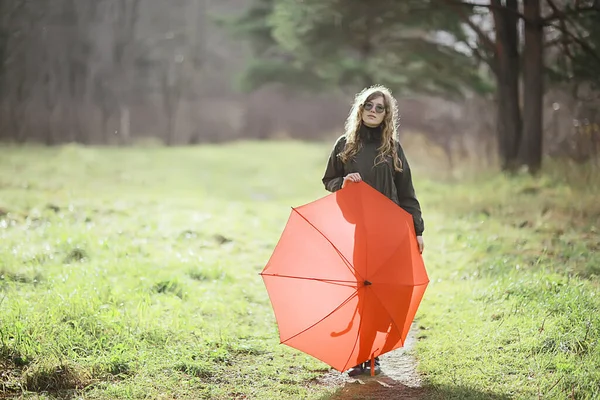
<point x="133" y="273"/>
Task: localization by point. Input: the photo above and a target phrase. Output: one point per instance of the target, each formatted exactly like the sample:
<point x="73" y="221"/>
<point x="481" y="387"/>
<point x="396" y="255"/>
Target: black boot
<point x="377" y="367"/>
<point x="356" y="370"/>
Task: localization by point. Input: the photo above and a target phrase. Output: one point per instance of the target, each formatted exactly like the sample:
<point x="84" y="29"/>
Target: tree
<point x="172" y="88"/>
<point x="126" y="52"/>
<point x="363" y="45"/>
<point x="530" y="149"/>
<point x="575" y="33"/>
<point x="352" y="43"/>
<point x="55" y="57"/>
<point x="271" y="63"/>
<point x="406" y="45"/>
<point x="506" y="68"/>
<point x="79" y="70"/>
<point x="520" y="143"/>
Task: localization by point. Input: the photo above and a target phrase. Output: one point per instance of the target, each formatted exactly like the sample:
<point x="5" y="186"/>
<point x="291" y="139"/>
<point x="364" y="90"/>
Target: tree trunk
<point x="105" y="116"/>
<point x="125" y="125"/>
<point x="530" y="152"/>
<point x="507" y="61"/>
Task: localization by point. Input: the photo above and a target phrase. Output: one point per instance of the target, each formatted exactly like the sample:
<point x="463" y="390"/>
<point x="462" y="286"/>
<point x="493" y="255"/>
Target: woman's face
<point x="374" y="112"/>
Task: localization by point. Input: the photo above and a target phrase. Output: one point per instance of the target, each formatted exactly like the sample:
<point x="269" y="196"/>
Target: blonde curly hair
<point x="389" y="126"/>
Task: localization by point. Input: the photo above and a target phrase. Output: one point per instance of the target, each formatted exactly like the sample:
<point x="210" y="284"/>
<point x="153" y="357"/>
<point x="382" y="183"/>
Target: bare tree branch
<point x="488" y="6"/>
<point x="556" y="12"/>
<point x="481" y="56"/>
<point x="562" y="27"/>
<point x="582" y="43"/>
<point x="562" y="14"/>
<point x="482" y="36"/>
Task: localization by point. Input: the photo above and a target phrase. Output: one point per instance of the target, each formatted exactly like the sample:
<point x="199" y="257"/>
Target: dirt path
<point x="398" y="378"/>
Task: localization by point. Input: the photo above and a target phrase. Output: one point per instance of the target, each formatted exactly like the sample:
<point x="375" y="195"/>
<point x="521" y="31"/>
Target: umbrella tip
<point x="367" y="283"/>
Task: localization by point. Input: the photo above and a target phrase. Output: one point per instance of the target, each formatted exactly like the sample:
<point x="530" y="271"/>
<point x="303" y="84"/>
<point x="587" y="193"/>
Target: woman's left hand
<point x="421" y="244"/>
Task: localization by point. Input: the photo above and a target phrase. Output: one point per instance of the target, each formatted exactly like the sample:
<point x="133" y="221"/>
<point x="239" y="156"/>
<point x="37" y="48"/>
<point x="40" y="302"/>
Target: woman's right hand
<point x="352" y="177"/>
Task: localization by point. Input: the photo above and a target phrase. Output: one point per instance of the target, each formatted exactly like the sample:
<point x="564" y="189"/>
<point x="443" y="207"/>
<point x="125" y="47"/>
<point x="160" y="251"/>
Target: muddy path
<point x="398" y="378"/>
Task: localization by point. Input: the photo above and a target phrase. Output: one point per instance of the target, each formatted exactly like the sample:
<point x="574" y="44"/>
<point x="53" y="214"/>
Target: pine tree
<point x="407" y="45"/>
<point x="313" y="44"/>
<point x="576" y="33"/>
<point x="269" y="62"/>
<point x="411" y="46"/>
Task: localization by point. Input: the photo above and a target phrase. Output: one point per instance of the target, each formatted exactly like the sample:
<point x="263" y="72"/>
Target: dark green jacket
<point x="397" y="186"/>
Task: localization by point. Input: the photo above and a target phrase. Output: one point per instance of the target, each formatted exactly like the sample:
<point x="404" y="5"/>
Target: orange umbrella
<point x="346" y="277"/>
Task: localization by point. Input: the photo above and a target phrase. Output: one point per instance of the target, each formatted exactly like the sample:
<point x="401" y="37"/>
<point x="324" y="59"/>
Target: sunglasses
<point x="379" y="108"/>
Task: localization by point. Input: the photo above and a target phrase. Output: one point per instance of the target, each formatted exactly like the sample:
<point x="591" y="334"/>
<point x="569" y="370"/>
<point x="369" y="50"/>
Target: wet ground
<point x="398" y="378"/>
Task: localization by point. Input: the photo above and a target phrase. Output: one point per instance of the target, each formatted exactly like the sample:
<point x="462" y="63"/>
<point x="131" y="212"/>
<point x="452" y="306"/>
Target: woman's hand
<point x="352" y="177"/>
<point x="421" y="244"/>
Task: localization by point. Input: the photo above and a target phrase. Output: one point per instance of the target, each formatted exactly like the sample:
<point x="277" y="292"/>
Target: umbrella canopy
<point x="346" y="277"/>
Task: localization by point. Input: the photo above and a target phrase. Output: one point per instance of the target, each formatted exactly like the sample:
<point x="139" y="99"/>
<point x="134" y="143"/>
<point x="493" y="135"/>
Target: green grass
<point x="133" y="273"/>
<point x="513" y="305"/>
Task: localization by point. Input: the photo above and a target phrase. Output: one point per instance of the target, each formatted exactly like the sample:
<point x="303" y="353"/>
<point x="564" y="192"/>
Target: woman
<point x="369" y="151"/>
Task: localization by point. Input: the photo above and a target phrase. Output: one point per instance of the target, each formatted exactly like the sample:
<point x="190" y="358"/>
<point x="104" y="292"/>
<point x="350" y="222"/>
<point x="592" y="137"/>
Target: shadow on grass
<point x="382" y="389"/>
<point x="462" y="393"/>
<point x="53" y="395"/>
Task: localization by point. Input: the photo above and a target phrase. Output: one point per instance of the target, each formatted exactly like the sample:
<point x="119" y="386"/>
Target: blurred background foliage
<point x="501" y="83"/>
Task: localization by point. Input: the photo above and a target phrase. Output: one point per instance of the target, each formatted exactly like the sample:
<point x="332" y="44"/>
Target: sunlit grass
<point x="513" y="305"/>
<point x="133" y="273"/>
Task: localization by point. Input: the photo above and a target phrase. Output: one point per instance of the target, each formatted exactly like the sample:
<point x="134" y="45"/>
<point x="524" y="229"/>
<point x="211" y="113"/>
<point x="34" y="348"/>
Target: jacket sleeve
<point x="406" y="193"/>
<point x="334" y="171"/>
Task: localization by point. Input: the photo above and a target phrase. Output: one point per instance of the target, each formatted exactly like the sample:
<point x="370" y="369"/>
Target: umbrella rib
<point x="357" y="334"/>
<point x="366" y="236"/>
<point x="392" y="253"/>
<point x="332" y="281"/>
<point x="391" y="318"/>
<point x="390" y="314"/>
<point x="348" y="264"/>
<point x="403" y="284"/>
<point x="354" y="294"/>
